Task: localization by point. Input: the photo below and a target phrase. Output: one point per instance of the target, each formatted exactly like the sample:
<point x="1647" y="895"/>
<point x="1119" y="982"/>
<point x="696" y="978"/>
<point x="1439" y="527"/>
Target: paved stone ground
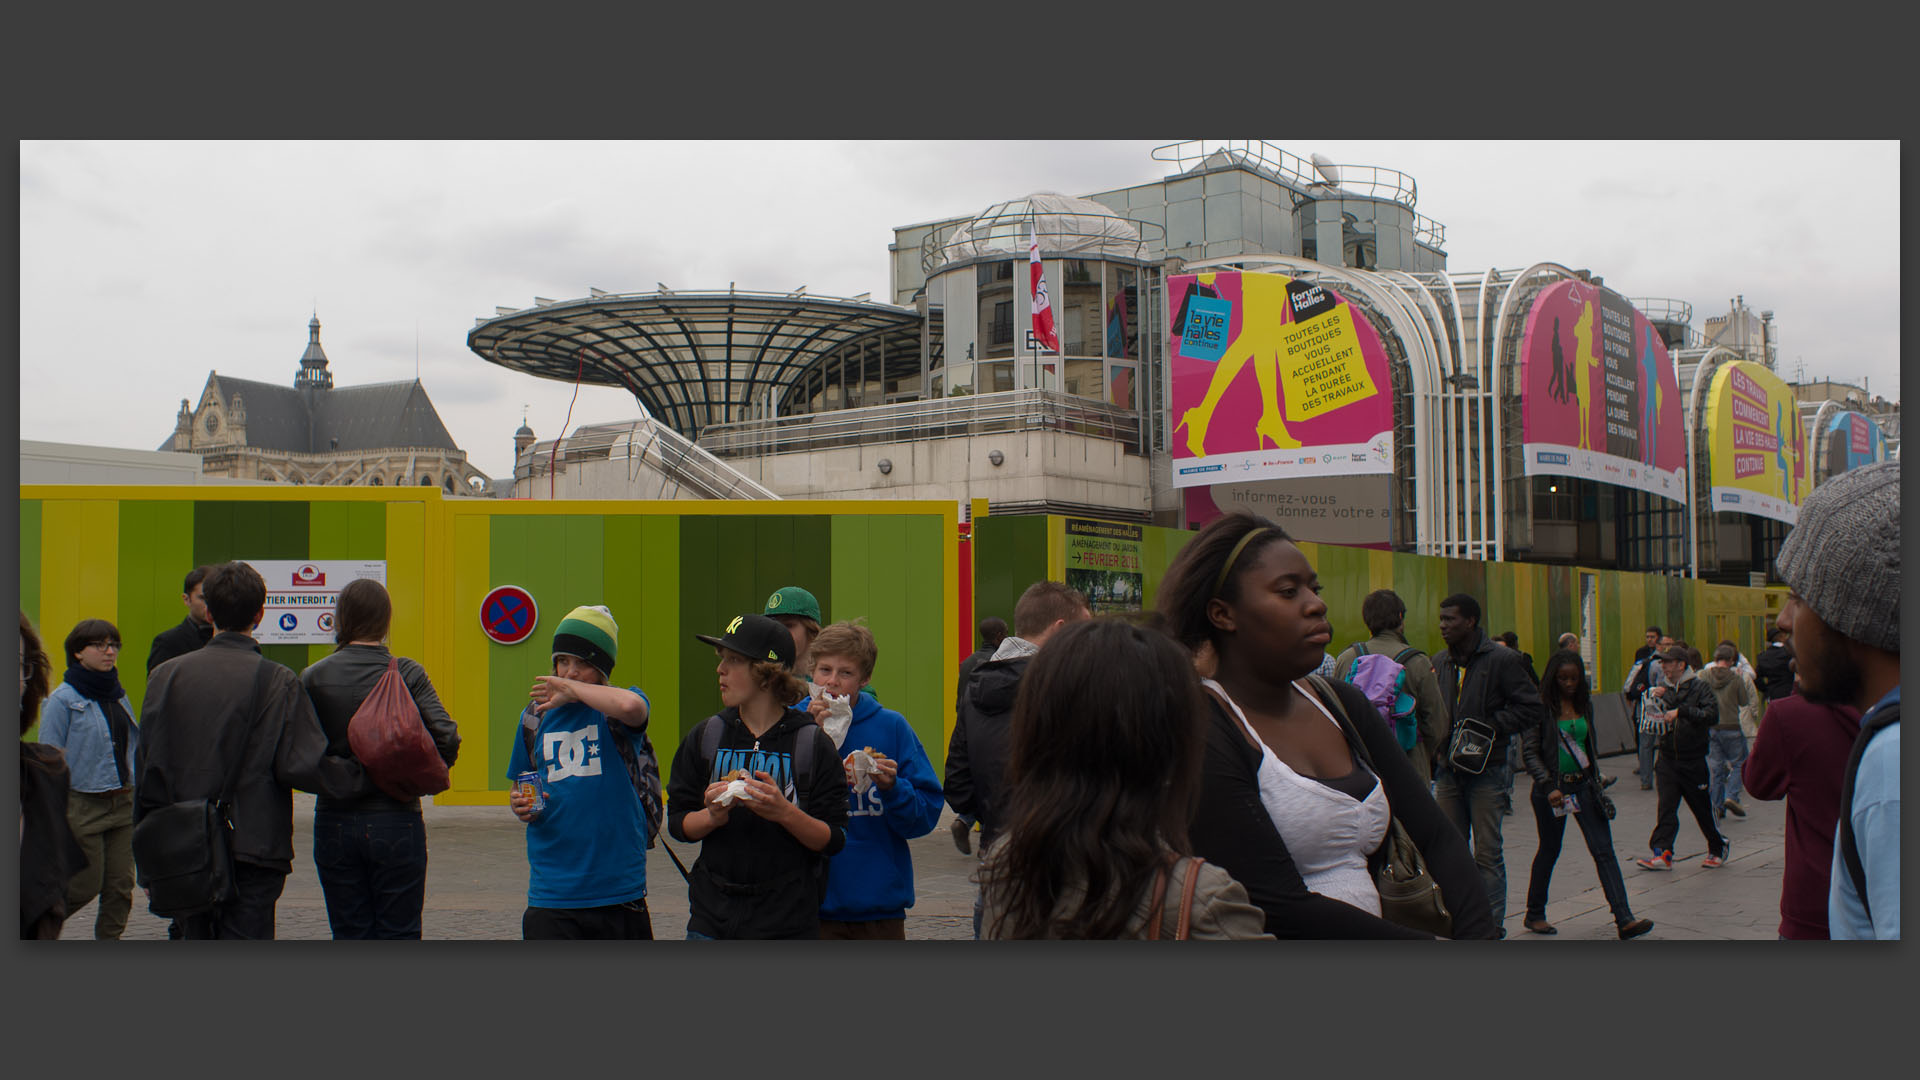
<point x="477" y="876"/>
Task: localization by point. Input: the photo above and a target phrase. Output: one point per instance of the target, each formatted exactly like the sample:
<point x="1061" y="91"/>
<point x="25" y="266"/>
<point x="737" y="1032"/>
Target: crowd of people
<point x="1206" y="770"/>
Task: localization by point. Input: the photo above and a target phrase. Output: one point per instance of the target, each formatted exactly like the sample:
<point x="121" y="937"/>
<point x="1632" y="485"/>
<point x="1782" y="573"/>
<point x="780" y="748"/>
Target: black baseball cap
<point x="756" y="637"/>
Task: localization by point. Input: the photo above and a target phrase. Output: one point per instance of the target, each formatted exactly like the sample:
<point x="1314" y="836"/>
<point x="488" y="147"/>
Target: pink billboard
<point x="1273" y="378"/>
<point x="1598" y="396"/>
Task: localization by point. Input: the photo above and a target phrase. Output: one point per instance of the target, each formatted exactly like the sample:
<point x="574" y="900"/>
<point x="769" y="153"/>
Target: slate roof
<point x="377" y="416"/>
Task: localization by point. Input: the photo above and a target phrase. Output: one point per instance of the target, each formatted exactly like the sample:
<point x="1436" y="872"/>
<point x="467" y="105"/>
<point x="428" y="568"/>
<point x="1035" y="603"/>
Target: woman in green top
<point x="1560" y="754"/>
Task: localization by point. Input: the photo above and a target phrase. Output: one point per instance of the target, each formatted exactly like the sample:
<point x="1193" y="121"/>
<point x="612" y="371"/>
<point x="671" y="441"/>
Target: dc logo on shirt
<point x="573" y="753"/>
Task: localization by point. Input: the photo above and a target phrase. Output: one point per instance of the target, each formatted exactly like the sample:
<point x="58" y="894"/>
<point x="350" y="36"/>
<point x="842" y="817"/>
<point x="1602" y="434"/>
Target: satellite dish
<point x="1328" y="171"/>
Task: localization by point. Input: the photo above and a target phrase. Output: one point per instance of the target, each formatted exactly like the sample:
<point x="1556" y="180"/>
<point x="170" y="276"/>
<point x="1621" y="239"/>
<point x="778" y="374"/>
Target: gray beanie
<point x="1843" y="556"/>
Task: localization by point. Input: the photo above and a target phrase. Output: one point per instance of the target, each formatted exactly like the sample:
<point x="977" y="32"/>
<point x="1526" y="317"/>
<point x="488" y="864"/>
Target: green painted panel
<point x="700" y="613"/>
<point x="854" y="551"/>
<point x="642" y="562"/>
<point x="1343" y="585"/>
<point x="918" y="656"/>
<point x="155" y="554"/>
<point x="561" y="561"/>
<point x="224" y="531"/>
<point x="30" y="559"/>
<point x="1009" y="554"/>
<point x="345" y="530"/>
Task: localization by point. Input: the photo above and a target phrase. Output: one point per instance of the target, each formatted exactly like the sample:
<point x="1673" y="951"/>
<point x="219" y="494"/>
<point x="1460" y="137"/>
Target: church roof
<point x="309" y="419"/>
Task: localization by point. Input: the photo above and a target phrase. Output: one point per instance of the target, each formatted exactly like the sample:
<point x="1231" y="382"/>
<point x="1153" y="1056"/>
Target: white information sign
<point x="301" y="595"/>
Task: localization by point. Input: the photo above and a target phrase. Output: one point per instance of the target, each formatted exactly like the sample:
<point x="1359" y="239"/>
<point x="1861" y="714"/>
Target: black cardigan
<point x="1232" y="829"/>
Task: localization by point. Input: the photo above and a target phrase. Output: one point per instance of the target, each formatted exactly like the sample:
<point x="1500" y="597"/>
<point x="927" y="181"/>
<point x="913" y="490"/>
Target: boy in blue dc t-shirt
<point x="587" y="847"/>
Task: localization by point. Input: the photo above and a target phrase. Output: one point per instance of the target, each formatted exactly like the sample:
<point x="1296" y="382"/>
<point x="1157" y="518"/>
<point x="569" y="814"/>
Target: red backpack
<point x="392" y="743"/>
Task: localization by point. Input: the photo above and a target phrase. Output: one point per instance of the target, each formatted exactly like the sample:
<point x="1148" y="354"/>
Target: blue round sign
<point x="288" y="621"/>
<point x="508" y="615"/>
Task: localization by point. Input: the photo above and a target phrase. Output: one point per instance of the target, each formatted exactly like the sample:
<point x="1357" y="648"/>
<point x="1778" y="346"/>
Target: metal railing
<point x="1372" y="181"/>
<point x="658" y="446"/>
<point x="940" y="418"/>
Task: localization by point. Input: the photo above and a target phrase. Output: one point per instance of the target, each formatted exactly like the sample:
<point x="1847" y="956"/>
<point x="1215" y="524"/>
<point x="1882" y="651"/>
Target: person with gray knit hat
<point x="1841" y="564"/>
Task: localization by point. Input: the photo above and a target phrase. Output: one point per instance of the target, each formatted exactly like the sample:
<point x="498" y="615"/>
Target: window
<point x="376" y="481"/>
<point x="1002" y="323"/>
<point x="425" y="480"/>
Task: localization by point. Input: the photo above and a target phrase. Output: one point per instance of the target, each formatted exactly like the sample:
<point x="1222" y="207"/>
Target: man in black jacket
<point x="1680" y="772"/>
<point x="1481" y="681"/>
<point x="1773" y="668"/>
<point x="977" y="753"/>
<point x="993" y="631"/>
<point x="193" y="632"/>
<point x="227" y="715"/>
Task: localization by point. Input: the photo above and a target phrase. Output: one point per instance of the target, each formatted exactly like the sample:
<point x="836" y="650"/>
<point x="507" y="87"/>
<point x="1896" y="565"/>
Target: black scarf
<point x="104" y="687"/>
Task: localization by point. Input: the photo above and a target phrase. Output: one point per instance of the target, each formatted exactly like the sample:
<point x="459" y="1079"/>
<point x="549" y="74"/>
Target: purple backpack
<point x="1384" y="680"/>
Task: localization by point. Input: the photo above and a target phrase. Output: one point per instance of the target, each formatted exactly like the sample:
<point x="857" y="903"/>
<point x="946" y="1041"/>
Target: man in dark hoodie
<point x="977" y="753"/>
<point x="993" y="631"/>
<point x="1680" y="770"/>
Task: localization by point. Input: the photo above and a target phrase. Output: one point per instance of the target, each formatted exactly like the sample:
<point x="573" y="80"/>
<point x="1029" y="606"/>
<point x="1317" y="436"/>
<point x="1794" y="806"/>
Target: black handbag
<point x="1409" y="896"/>
<point x="183" y="852"/>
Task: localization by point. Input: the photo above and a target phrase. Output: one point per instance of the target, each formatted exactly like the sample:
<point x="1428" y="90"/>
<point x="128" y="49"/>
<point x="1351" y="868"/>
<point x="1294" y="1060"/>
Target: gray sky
<point x="144" y="265"/>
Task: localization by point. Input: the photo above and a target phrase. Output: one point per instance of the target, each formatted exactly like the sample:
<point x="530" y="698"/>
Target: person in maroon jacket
<point x="1800" y="754"/>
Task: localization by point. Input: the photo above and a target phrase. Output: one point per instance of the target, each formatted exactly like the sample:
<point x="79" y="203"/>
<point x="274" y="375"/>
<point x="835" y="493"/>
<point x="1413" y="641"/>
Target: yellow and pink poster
<point x="1273" y="378"/>
<point x="1756" y="444"/>
<point x="1598" y="396"/>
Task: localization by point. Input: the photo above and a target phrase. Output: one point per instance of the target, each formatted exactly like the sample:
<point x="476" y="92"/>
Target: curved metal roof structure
<point x="691" y="358"/>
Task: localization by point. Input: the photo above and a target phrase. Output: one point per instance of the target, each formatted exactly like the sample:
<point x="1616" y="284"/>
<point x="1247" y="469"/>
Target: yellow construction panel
<point x="469" y="559"/>
<point x="407" y="576"/>
<point x="79" y="565"/>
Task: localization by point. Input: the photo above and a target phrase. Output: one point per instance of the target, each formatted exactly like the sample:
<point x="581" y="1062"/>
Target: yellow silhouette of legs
<point x="1270" y="425"/>
<point x="1582" y="385"/>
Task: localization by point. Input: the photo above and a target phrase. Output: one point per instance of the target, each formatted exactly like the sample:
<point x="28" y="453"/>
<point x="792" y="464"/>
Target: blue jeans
<point x="1475" y="804"/>
<point x="1647" y="745"/>
<point x="1593" y="825"/>
<point x="373" y="871"/>
<point x="1726" y="752"/>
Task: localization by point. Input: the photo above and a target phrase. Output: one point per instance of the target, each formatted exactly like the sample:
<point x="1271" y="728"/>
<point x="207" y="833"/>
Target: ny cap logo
<point x="735" y="624"/>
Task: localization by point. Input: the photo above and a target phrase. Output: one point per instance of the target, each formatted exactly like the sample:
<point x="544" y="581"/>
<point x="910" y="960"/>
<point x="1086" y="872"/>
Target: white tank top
<point x="1328" y="833"/>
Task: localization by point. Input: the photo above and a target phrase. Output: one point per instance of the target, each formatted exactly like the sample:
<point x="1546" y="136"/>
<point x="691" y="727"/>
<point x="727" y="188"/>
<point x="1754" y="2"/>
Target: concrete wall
<point x="73" y="463"/>
<point x="1036" y="466"/>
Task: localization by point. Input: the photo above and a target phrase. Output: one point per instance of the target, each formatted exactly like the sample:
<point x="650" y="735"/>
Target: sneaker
<point x="1662" y="861"/>
<point x="1715" y="861"/>
<point x="1607" y="781"/>
<point x="1635" y="928"/>
<point x="1540" y="926"/>
<point x="961" y="839"/>
<point x="1732" y="806"/>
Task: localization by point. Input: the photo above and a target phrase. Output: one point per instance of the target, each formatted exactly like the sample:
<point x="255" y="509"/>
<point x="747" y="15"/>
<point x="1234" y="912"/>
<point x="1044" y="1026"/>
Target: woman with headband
<point x="1287" y="806"/>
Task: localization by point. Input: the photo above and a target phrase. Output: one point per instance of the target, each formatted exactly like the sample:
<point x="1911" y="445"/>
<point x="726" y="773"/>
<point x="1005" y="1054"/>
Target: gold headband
<point x="1234" y="556"/>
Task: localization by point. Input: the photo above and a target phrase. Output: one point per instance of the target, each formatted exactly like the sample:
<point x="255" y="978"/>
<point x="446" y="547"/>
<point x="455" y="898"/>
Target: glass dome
<point x="1067" y="226"/>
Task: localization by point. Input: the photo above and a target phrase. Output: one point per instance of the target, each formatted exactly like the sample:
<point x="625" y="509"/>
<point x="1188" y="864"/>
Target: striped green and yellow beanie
<point x="589" y="633"/>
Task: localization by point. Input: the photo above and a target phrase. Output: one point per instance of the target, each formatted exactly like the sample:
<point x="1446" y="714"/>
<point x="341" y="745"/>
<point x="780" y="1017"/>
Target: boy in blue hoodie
<point x="870" y="882"/>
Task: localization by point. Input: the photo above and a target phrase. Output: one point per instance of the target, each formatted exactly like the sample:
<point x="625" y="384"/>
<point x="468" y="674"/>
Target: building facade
<point x="313" y="432"/>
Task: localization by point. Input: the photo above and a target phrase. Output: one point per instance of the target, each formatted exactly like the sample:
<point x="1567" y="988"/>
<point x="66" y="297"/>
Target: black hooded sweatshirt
<point x="753" y="879"/>
<point x="977" y="753"/>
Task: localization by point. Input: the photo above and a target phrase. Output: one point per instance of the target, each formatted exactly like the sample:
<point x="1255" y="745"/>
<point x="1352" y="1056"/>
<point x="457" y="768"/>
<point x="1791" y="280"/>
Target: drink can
<point x="529" y="783"/>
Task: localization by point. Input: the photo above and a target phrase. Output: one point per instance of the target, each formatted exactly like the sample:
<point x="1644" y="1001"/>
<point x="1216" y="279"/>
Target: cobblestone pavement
<point x="477" y="877"/>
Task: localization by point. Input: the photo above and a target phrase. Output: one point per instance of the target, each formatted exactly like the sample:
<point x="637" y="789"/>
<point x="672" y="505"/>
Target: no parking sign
<point x="508" y="615"/>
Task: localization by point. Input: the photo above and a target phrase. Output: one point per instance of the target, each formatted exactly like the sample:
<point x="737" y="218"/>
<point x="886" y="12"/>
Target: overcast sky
<point x="145" y="265"/>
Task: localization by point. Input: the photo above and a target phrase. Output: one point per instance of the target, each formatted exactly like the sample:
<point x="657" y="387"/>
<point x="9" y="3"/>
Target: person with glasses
<point x="90" y="718"/>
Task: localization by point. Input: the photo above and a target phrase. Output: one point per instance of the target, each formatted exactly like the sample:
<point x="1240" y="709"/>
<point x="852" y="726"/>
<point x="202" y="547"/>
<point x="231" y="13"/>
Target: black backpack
<point x="1849" y="850"/>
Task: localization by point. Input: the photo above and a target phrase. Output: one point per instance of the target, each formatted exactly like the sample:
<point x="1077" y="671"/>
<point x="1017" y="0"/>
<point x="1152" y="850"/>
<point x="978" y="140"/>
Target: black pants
<point x="615" y="922"/>
<point x="1676" y="780"/>
<point x="373" y="871"/>
<point x="248" y="917"/>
